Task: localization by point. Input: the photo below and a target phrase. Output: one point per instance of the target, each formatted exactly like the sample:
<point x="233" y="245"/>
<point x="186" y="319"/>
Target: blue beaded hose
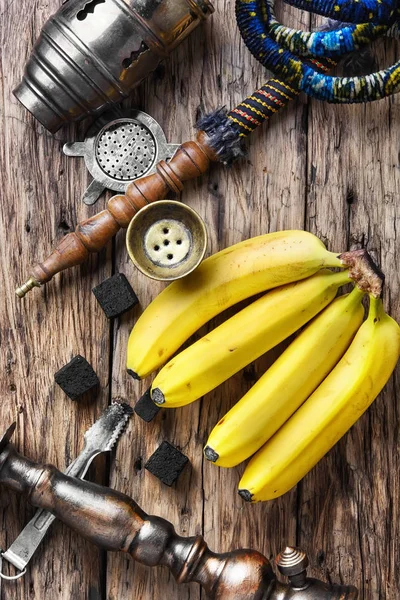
<point x="350" y="11"/>
<point x="334" y="42"/>
<point x="255" y="18"/>
<point x="281" y="49"/>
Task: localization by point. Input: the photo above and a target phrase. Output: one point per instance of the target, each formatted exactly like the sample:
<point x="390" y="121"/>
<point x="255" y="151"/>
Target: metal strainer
<point x="118" y="150"/>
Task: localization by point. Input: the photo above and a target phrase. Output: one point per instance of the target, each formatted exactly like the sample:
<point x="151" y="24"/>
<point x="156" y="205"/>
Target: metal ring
<point x="9" y="577"/>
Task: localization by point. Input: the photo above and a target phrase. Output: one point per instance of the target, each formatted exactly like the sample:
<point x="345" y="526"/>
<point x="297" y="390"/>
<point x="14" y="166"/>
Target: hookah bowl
<point x="92" y="53"/>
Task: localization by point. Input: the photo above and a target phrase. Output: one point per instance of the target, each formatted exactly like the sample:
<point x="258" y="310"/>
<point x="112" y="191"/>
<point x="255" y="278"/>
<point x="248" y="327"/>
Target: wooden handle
<point x="191" y="160"/>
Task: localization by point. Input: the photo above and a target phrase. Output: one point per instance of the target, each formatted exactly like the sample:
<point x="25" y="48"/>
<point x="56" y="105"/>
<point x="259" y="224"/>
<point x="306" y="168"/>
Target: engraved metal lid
<point x="92" y="53"/>
<point x="166" y="240"/>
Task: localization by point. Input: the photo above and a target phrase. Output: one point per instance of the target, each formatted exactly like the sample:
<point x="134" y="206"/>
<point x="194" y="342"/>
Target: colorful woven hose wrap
<point x="302" y="59"/>
<point x="261" y="105"/>
<point x="281" y="51"/>
<point x="351" y="11"/>
<point x="333" y="43"/>
<point x="268" y="100"/>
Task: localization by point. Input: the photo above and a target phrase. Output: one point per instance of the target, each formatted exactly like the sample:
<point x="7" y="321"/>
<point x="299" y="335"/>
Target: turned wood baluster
<point x="191" y="160"/>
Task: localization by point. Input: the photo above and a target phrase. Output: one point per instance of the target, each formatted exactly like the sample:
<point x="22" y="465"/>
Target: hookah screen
<point x="125" y="150"/>
<point x="120" y="148"/>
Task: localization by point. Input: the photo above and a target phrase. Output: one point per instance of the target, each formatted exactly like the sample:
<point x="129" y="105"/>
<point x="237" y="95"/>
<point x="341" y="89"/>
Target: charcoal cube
<point x="145" y="407"/>
<point x="167" y="463"/>
<point x="77" y="377"/>
<point x="115" y="295"/>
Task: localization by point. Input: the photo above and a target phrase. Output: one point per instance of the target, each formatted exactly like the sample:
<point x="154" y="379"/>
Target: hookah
<point x="300" y="61"/>
<point x="115" y="522"/>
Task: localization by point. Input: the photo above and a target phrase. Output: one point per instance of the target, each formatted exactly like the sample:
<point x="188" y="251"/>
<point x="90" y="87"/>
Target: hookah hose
<point x="300" y="61"/>
<point x="227" y="130"/>
<point x="254" y="21"/>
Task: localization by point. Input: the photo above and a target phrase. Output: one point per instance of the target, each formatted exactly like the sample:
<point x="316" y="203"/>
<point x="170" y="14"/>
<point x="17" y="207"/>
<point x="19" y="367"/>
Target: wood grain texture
<point x="334" y="170"/>
<point x="39" y="203"/>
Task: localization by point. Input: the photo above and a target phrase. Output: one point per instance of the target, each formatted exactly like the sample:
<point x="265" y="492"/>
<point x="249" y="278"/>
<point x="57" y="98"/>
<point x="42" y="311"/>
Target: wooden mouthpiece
<point x="191" y="160"/>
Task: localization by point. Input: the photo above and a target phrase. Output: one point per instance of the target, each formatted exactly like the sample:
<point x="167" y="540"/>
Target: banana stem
<point x="356" y="293"/>
<point x="363" y="271"/>
<point x="375" y="308"/>
<point x="340" y="278"/>
<point x="333" y="260"/>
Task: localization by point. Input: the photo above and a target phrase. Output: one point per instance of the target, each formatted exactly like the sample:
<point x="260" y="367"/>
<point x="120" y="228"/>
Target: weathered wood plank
<point x="40" y="201"/>
<point x="343" y="163"/>
<point x="348" y="505"/>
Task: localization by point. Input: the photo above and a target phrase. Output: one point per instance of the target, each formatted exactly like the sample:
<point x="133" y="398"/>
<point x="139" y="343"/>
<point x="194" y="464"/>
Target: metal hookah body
<point x="92" y="53"/>
<point x="114" y="521"/>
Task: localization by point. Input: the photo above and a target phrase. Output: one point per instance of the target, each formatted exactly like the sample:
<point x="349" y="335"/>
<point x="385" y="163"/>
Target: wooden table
<point x="334" y="171"/>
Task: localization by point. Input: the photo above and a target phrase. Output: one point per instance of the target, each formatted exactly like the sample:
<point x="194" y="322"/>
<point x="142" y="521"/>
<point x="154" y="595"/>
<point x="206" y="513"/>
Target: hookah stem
<point x="115" y="522"/>
<point x="191" y="160"/>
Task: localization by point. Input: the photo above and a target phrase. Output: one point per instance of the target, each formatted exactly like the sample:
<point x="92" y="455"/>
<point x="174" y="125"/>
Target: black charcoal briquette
<point x="145" y="407"/>
<point x="77" y="377"/>
<point x="167" y="463"/>
<point x="115" y="295"/>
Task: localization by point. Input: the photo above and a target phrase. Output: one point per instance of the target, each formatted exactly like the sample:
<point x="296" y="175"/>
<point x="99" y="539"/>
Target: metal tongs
<point x="101" y="437"/>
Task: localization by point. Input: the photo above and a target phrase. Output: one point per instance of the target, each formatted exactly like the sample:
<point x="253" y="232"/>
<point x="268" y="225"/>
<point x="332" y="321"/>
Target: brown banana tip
<point x="210" y="454"/>
<point x="365" y="273"/>
<point x="133" y="374"/>
<point x="157" y="396"/>
<point x="245" y="495"/>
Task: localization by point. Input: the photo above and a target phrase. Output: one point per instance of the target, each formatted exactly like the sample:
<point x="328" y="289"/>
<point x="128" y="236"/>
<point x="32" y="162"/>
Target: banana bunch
<point x="287" y="383"/>
<point x="243" y="338"/>
<point x="329" y="412"/>
<point x="222" y="280"/>
<point x="316" y="389"/>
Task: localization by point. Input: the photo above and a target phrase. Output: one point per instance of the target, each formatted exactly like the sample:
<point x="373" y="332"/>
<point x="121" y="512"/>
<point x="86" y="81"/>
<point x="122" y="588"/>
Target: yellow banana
<point x="329" y="412"/>
<point x="222" y="280"/>
<point x="287" y="383"/>
<point x="243" y="338"/>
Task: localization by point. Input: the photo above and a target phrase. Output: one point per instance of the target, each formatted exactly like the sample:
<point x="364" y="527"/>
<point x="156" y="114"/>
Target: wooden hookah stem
<point x="191" y="160"/>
